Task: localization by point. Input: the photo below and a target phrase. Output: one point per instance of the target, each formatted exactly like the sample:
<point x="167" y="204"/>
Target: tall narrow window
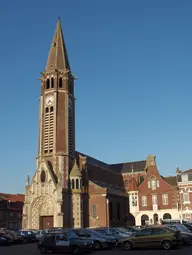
<point x="60" y="83"/>
<point x="52" y="82"/>
<point x="70" y="130"/>
<point x="153" y="184"/>
<point x="72" y="184"/>
<point x="94" y="212"/>
<point x="144" y="200"/>
<point x="47" y="84"/>
<point x="186" y="197"/>
<point x="165" y="199"/>
<point x="48" y="129"/>
<point x="77" y="184"/>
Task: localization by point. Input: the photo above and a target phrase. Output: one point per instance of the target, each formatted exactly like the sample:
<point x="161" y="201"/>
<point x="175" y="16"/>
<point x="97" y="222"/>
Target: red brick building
<point x="157" y="197"/>
<point x="73" y="189"/>
<point x="11" y="207"/>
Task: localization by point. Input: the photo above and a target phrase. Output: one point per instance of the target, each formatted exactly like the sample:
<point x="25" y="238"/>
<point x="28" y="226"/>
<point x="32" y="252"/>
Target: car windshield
<point x="71" y="235"/>
<point x="121" y="230"/>
<point x="93" y="232"/>
<point x="180" y="228"/>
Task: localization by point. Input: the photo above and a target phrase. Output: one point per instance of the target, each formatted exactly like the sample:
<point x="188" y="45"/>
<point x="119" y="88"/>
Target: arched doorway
<point x="155" y="218"/>
<point x="167" y="216"/>
<point x="144" y="219"/>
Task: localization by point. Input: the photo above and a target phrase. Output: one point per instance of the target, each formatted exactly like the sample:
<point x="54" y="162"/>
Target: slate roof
<point x="189" y="171"/>
<point x="172" y="180"/>
<point x="137" y="166"/>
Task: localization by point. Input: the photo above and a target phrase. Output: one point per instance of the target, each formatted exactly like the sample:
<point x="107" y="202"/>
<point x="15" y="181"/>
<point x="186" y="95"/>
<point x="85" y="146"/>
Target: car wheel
<point x="97" y="245"/>
<point x="166" y="245"/>
<point x="76" y="250"/>
<point x="127" y="246"/>
<point x="42" y="250"/>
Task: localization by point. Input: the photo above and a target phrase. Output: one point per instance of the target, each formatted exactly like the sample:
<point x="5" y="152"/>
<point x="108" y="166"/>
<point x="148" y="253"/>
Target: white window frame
<point x="144" y="201"/>
<point x="165" y="200"/>
<point x="186" y="195"/>
<point x="153" y="184"/>
<point x="154" y="199"/>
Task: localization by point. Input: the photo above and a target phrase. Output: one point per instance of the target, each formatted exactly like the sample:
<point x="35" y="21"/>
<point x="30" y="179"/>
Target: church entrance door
<point x="46" y="222"/>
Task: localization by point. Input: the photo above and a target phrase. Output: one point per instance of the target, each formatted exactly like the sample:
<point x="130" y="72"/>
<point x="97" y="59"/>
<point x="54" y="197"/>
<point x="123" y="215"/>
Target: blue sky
<point x="134" y="92"/>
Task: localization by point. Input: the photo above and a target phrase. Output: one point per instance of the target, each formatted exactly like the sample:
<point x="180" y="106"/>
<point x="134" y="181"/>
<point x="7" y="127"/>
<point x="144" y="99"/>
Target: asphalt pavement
<point x="31" y="249"/>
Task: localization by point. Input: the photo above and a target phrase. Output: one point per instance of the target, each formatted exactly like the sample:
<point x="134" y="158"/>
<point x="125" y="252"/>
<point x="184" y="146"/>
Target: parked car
<point x="28" y="235"/>
<point x="117" y="233"/>
<point x="185" y="233"/>
<point x="64" y="242"/>
<point x="39" y="235"/>
<point x="109" y="238"/>
<point x="99" y="242"/>
<point x="152" y="237"/>
<point x="5" y="240"/>
<point x="131" y="229"/>
<point x="188" y="226"/>
<point x="17" y="239"/>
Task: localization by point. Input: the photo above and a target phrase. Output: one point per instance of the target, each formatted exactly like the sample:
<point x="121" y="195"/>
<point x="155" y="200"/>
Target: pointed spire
<point x="75" y="172"/>
<point x="58" y="58"/>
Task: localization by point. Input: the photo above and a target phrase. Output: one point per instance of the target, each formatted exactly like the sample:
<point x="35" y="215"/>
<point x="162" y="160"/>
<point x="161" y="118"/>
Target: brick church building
<point x="75" y="190"/>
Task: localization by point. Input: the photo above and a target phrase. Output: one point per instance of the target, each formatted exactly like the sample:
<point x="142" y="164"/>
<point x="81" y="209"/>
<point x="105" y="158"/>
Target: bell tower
<point x="57" y="111"/>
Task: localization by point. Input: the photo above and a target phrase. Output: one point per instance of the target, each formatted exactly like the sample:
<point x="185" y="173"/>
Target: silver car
<point x="40" y="234"/>
<point x="99" y="242"/>
<point x="110" y="238"/>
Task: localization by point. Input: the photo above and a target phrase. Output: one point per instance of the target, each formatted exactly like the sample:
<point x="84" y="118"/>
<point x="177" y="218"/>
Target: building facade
<point x="185" y="192"/>
<point x="11" y="206"/>
<point x="72" y="189"/>
<point x="155" y="199"/>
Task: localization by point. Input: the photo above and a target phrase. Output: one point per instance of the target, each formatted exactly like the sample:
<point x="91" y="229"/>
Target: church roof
<point x="75" y="172"/>
<point x="128" y="167"/>
<point x="58" y="59"/>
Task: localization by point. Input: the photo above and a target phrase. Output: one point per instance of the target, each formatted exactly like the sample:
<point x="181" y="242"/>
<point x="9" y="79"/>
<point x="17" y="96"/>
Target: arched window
<point x="47" y="84"/>
<point x="52" y="82"/>
<point x="72" y="184"/>
<point x="167" y="216"/>
<point x="46" y="109"/>
<point x="77" y="184"/>
<point x="51" y="109"/>
<point x="60" y="83"/>
<point x="43" y="176"/>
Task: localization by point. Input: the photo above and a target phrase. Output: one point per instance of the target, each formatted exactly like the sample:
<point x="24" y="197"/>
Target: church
<point x="69" y="188"/>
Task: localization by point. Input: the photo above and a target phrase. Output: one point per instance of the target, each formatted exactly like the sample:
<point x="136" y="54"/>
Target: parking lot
<point x="31" y="249"/>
